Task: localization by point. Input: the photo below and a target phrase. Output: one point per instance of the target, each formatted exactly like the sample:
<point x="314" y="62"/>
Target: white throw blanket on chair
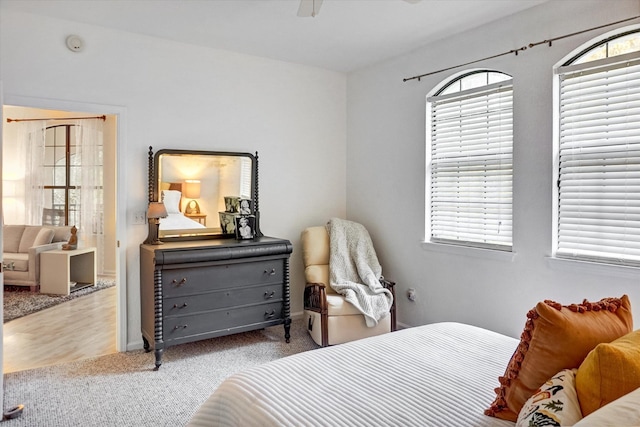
<point x="355" y="271"/>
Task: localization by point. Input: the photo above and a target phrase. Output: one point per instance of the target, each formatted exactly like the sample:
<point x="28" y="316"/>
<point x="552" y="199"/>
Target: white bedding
<point x="177" y="221"/>
<point x="437" y="375"/>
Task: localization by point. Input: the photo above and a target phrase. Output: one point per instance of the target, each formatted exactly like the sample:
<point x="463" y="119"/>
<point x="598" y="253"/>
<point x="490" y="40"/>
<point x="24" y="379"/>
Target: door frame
<point x="120" y="211"/>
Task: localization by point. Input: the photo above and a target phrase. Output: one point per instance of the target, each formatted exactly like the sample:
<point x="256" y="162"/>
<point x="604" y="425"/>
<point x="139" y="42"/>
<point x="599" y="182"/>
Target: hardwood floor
<point x="78" y="329"/>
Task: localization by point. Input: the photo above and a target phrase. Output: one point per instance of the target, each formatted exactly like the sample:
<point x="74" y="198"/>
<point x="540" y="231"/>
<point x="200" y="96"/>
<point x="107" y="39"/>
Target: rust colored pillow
<point x="610" y="371"/>
<point x="557" y="337"/>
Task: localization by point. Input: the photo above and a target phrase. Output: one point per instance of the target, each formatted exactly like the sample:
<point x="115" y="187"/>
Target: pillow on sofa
<point x="555" y="403"/>
<point x="556" y="337"/>
<point x="610" y="371"/>
<point x="34" y="236"/>
<point x="622" y="412"/>
<point x="61" y="233"/>
<point x="11" y="235"/>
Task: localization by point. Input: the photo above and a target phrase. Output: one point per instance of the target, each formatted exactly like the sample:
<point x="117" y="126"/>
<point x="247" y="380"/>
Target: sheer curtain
<point x="89" y="144"/>
<point x="31" y="140"/>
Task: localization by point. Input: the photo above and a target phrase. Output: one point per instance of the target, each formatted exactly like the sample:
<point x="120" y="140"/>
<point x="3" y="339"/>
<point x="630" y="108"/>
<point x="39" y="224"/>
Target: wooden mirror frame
<point x="154" y="180"/>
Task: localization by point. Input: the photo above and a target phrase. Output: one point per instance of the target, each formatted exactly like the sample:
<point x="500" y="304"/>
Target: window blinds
<point x="471" y="166"/>
<point x="245" y="178"/>
<point x="599" y="149"/>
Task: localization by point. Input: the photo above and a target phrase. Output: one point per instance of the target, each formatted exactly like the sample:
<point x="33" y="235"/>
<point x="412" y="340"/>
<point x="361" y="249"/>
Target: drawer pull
<point x="184" y="304"/>
<point x="268" y="295"/>
<point x="180" y="283"/>
<point x="180" y="327"/>
<point x="268" y="315"/>
<point x="270" y="273"/>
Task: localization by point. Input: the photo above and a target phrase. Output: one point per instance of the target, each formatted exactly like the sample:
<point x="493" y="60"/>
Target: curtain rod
<point x="57" y="118"/>
<point x="515" y="51"/>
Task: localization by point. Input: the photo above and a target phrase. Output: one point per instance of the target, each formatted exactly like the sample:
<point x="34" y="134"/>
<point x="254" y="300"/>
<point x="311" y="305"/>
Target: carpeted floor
<point x="123" y="390"/>
<point x="19" y="302"/>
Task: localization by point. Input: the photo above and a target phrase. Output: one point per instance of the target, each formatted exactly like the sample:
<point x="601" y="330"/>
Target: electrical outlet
<point x="140" y="218"/>
<point x="411" y="294"/>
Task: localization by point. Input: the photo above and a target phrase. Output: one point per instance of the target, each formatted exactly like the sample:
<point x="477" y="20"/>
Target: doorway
<point x="109" y="259"/>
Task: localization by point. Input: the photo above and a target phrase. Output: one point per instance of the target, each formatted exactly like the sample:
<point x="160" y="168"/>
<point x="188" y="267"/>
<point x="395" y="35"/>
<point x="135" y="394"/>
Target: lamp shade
<point x="156" y="210"/>
<point x="192" y="188"/>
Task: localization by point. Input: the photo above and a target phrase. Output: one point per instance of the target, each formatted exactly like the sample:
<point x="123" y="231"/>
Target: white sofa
<point x="22" y="245"/>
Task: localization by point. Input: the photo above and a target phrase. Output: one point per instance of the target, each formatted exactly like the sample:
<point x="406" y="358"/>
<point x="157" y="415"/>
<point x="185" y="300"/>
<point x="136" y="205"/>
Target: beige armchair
<point x="330" y="318"/>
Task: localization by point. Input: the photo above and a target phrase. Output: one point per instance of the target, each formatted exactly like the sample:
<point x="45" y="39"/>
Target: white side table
<point x="62" y="272"/>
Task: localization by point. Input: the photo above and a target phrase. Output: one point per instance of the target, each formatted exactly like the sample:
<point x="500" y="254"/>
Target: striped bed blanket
<point x="439" y="375"/>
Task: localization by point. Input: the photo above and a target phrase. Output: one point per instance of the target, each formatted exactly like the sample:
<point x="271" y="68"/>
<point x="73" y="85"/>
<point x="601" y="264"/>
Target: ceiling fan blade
<point x="309" y="8"/>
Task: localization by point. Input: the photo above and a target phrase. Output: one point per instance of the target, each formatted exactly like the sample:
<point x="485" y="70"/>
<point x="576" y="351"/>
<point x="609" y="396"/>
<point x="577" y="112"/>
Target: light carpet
<point x="123" y="390"/>
<point x="19" y="301"/>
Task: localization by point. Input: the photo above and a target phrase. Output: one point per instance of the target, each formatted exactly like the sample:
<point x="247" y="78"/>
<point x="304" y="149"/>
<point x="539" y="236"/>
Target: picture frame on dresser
<point x="245" y="227"/>
<point x="203" y="283"/>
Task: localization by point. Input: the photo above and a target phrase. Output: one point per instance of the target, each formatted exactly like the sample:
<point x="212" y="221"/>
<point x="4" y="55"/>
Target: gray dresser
<point x="195" y="290"/>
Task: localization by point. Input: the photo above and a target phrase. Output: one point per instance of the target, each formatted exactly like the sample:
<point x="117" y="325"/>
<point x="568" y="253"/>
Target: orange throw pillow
<point x="610" y="371"/>
<point x="557" y="337"/>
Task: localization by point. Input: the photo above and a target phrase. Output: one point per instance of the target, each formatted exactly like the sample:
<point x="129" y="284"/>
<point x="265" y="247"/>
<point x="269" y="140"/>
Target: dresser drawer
<point x="209" y="322"/>
<point x="183" y="281"/>
<point x="188" y="304"/>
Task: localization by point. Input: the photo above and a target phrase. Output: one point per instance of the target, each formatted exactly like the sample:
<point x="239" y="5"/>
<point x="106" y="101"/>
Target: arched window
<point x="62" y="178"/>
<point x="598" y="185"/>
<point x="470" y="129"/>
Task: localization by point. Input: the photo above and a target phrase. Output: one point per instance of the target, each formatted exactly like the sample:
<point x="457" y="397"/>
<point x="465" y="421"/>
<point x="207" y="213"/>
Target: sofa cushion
<point x="557" y="337"/>
<point x="315" y="255"/>
<point x="315" y="246"/>
<point x="338" y="306"/>
<point x="610" y="371"/>
<point x="34" y="235"/>
<point x="62" y="233"/>
<point x="16" y="261"/>
<point x="11" y="235"/>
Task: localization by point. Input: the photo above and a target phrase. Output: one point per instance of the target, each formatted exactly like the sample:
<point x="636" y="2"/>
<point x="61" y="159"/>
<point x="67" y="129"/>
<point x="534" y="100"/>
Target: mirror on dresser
<point x="204" y="193"/>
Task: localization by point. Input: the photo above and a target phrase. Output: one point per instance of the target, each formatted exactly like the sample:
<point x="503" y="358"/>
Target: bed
<point x="439" y="375"/>
<point x="175" y="220"/>
<point x="576" y="365"/>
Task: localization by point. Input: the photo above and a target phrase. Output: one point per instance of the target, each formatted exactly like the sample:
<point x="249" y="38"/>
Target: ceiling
<point x="344" y="36"/>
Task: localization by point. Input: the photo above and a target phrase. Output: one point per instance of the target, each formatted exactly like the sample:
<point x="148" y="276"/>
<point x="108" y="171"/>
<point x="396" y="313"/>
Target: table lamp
<point x="154" y="213"/>
<point x="192" y="191"/>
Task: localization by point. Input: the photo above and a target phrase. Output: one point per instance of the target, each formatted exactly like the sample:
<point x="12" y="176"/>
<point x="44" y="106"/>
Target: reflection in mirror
<point x="193" y="186"/>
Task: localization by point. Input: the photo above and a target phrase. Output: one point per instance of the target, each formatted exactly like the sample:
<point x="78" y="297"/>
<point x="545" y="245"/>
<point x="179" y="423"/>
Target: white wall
<point x="386" y="181"/>
<point x="182" y="96"/>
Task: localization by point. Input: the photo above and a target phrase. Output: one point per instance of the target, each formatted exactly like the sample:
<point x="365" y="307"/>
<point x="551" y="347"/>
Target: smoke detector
<point x="75" y="43"/>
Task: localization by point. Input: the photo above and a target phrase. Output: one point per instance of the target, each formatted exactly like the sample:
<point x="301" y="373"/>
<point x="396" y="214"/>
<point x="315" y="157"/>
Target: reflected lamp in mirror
<point x="192" y="191"/>
<point x="154" y="213"/>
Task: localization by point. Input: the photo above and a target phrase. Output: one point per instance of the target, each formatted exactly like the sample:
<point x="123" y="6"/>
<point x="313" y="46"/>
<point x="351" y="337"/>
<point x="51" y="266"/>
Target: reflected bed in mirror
<point x="195" y="187"/>
<point x="176" y="202"/>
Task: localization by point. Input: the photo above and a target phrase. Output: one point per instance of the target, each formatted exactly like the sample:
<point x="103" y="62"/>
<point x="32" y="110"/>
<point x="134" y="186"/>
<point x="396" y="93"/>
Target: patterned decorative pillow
<point x="554" y="404"/>
<point x="556" y="337"/>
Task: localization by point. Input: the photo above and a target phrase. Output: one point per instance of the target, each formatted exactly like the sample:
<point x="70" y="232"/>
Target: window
<point x="598" y="205"/>
<point x="63" y="174"/>
<point x="470" y="160"/>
